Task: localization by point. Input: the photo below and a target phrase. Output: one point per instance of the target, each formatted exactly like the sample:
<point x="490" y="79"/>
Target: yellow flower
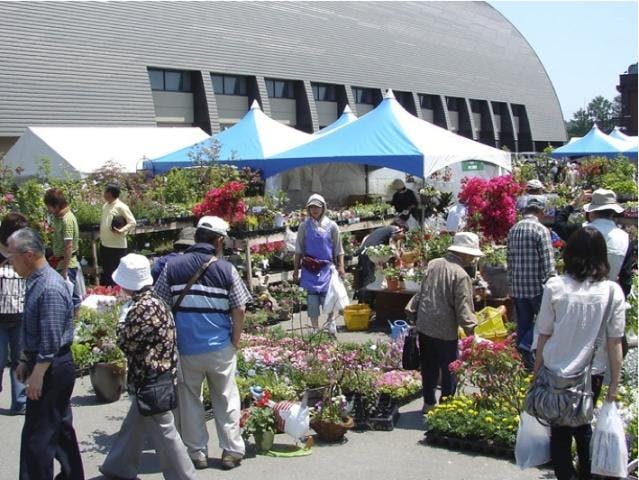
<point x="488" y="419"/>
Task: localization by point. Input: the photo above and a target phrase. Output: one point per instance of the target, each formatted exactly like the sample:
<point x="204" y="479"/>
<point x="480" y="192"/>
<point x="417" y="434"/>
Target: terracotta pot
<point x="393" y="284"/>
<point x="264" y="441"/>
<point x="108" y="381"/>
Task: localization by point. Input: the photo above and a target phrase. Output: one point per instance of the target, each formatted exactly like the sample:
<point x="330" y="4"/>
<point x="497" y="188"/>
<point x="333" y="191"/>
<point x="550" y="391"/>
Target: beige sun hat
<point x="133" y="272"/>
<point x="603" y="199"/>
<point x="466" y="242"/>
<point x="398" y="184"/>
<point x="317" y="200"/>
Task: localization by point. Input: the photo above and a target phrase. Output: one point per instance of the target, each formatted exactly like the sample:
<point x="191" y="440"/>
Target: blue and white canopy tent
<point x="388" y="136"/>
<point x="247" y="143"/>
<point x="595" y="143"/>
<point x="619" y="135"/>
<point x="345" y="118"/>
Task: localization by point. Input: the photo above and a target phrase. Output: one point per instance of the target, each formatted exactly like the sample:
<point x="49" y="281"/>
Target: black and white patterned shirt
<point x="12" y="288"/>
<point x="530" y="258"/>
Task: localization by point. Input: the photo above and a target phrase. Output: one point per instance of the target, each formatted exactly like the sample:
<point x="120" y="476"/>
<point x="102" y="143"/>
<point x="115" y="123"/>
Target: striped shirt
<point x="530" y="258"/>
<point x="48" y="315"/>
<point x="12" y="288"/>
<point x="203" y="319"/>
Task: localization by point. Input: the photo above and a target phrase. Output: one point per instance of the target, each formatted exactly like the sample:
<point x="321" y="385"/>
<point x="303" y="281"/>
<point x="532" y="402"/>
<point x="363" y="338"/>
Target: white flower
<point x="373" y="347"/>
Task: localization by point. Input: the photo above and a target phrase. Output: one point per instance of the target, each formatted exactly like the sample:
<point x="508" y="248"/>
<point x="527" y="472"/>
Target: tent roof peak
<point x="389" y="94"/>
<point x="255" y="105"/>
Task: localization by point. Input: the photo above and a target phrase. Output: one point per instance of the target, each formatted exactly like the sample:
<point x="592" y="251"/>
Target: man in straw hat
<point x="443" y="304"/>
<point x="530" y="264"/>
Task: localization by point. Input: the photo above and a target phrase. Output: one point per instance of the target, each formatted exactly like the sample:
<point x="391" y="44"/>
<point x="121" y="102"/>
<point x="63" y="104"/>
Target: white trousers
<point x="218" y="368"/>
<point x="124" y="458"/>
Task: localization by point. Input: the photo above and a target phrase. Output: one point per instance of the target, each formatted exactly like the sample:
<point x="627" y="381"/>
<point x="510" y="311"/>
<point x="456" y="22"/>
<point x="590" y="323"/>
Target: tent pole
<point x="366" y="179"/>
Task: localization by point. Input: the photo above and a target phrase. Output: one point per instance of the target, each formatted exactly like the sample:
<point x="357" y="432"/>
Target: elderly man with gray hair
<point x="46" y="365"/>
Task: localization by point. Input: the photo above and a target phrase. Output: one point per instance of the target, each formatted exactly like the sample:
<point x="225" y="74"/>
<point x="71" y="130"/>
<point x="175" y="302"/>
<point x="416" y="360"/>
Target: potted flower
<point x="329" y="417"/>
<point x="259" y="421"/>
<point x="493" y="268"/>
<point x="394" y="279"/>
<point x="95" y="344"/>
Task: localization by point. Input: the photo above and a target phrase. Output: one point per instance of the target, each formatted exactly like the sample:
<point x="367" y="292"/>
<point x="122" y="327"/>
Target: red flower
<point x="263" y="401"/>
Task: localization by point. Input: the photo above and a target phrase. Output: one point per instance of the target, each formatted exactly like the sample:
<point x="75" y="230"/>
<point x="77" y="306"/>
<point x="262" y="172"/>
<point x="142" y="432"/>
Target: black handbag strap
<point x="200" y="271"/>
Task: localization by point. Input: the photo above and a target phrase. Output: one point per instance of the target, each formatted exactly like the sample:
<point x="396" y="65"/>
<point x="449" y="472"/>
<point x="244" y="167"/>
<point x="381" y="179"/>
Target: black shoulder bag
<point x="159" y="395"/>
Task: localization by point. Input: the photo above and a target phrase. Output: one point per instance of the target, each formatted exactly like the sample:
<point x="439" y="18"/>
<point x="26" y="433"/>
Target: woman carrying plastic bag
<point x="335" y="301"/>
<point x="533" y="442"/>
<point x="609" y="449"/>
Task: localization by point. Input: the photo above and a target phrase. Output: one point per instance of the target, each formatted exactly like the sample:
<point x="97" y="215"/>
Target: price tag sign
<point x="472" y="166"/>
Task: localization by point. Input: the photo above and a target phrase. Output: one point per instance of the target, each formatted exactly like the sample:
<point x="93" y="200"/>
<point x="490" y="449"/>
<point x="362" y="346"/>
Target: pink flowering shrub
<point x="495" y="368"/>
<point x="399" y="383"/>
<point x="491" y="204"/>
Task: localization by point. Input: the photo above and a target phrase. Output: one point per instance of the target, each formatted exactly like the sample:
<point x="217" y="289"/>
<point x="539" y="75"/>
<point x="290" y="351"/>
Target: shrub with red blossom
<point x="226" y="202"/>
<point x="491" y="204"/>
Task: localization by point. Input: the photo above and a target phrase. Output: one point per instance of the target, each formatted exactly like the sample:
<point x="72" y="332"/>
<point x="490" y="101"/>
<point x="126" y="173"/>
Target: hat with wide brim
<point x="187" y="237"/>
<point x="133" y="272"/>
<point x="603" y="200"/>
<point x="466" y="242"/>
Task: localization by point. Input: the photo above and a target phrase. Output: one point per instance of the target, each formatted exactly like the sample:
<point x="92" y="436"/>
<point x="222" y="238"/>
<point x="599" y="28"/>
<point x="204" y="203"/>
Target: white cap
<point x="133" y="272"/>
<point x="317" y="200"/>
<point x="466" y="242"/>
<point x="214" y="224"/>
<point x="534" y="184"/>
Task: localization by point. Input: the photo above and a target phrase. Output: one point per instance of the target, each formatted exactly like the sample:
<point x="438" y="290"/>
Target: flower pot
<point x="264" y="441"/>
<point x="108" y="381"/>
<point x="330" y="431"/>
<point x="393" y="284"/>
<point x="497" y="278"/>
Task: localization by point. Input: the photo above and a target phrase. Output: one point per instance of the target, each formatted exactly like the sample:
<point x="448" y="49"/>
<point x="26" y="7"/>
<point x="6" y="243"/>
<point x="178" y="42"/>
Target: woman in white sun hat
<point x="147" y="338"/>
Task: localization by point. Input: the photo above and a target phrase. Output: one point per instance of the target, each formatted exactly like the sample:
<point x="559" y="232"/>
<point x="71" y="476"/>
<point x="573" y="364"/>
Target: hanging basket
<point x="331" y="432"/>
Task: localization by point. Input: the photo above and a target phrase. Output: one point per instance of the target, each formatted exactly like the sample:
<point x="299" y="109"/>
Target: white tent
<point x="78" y="151"/>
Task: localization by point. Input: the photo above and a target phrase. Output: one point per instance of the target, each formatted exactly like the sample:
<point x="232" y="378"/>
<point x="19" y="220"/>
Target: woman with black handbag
<point x="580" y="312"/>
<point x="147" y="337"/>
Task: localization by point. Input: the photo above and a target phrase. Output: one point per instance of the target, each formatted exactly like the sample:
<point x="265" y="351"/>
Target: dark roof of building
<point x="85" y="63"/>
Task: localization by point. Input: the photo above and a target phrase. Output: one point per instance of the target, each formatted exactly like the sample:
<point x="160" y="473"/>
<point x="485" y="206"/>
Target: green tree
<point x="580" y="124"/>
<point x="600" y="110"/>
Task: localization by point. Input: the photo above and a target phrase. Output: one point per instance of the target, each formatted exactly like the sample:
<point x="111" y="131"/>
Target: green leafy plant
<point x="258" y="421"/>
<point x="96" y="331"/>
<point x="494" y="255"/>
<point x="631" y="313"/>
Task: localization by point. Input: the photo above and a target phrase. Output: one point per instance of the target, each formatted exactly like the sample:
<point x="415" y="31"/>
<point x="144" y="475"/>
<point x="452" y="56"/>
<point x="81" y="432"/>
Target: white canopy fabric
<point x="78" y="151"/>
<point x="389" y="136"/>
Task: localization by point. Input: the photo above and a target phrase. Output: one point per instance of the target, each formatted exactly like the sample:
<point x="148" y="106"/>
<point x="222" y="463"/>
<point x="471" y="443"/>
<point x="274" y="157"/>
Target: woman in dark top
<point x="404" y="200"/>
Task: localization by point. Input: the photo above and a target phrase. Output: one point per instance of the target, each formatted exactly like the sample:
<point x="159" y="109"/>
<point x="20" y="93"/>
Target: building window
<point x="476" y="106"/>
<point x="170" y="80"/>
<point x="280" y="88"/>
<point x="453" y="104"/>
<point x="229" y="84"/>
<point x="426" y="101"/>
<point x="364" y="95"/>
<point x="324" y="92"/>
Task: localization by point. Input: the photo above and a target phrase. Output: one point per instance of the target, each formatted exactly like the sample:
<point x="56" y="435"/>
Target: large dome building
<point x="460" y="65"/>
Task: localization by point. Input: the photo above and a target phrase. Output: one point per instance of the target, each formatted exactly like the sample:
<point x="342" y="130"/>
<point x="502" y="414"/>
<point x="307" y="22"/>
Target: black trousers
<point x="48" y="427"/>
<point x="436" y="355"/>
<point x="109" y="260"/>
<point x="561" y="451"/>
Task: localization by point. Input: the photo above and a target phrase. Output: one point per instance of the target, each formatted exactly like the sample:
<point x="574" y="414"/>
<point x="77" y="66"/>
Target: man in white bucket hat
<point x="443" y="304"/>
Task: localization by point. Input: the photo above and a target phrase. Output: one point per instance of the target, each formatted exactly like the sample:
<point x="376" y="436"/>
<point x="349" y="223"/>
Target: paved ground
<point x="365" y="455"/>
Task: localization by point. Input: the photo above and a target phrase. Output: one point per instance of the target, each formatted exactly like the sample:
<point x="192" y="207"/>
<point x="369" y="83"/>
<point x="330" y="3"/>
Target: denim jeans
<point x="10" y="339"/>
<point x="526" y="310"/>
<point x="72" y="274"/>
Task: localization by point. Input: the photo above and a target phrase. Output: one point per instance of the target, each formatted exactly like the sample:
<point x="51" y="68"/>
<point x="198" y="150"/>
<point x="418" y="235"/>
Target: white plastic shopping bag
<point x="337" y="296"/>
<point x="533" y="442"/>
<point x="609" y="450"/>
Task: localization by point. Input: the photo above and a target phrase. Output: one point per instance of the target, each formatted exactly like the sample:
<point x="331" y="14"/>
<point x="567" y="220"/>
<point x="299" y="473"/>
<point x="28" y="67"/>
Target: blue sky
<point x="583" y="45"/>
